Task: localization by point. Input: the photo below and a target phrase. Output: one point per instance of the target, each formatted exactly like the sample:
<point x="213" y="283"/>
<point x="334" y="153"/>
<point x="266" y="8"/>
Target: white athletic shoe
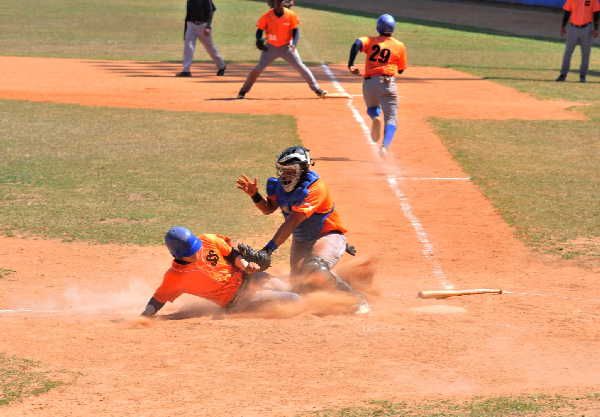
<point x="363" y="308"/>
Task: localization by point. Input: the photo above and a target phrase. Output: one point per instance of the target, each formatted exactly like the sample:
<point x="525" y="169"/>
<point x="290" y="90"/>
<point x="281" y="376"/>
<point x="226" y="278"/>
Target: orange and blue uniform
<point x="385" y="55"/>
<point x="385" y="58"/>
<point x="312" y="198"/>
<point x="213" y="277"/>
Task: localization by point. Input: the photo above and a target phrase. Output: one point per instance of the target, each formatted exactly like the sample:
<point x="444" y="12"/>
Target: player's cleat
<point x="561" y="78"/>
<point x="183" y="74"/>
<point x="321" y="93"/>
<point x="221" y="71"/>
<point x="383" y="150"/>
<point x="241" y="95"/>
<point x="363" y="308"/>
<point x="376" y="126"/>
<point x="582" y="78"/>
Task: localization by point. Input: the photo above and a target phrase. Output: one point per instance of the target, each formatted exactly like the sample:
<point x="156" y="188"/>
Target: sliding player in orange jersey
<point x="385" y="58"/>
<point x="208" y="267"/>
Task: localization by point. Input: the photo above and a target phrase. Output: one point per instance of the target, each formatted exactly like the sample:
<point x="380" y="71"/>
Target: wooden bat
<point x="452" y="293"/>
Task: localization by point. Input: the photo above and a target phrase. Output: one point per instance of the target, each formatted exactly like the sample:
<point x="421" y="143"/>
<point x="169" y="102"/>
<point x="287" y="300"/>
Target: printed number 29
<point x="380" y="55"/>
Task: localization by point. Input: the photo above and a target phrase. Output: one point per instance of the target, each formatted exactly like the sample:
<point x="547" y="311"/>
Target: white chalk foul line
<point x="433" y="179"/>
<point x="427" y="246"/>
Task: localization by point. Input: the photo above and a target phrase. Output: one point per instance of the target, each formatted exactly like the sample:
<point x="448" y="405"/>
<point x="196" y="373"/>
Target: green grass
<point x="124" y="201"/>
<point x="126" y="176"/>
<point x="21" y="378"/>
<point x="541" y="175"/>
<point x="508" y="406"/>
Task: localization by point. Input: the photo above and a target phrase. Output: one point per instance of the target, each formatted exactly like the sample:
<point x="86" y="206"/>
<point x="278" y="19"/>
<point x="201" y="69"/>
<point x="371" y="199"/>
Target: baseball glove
<point x="260" y="257"/>
<point x="261" y="44"/>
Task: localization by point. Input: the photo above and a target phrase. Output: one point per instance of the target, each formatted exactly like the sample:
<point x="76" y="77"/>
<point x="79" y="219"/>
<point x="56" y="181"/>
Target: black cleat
<point x="241" y="95"/>
<point x="321" y="93"/>
<point x="221" y="71"/>
<point x="582" y="78"/>
<point x="183" y="74"/>
<point x="561" y="78"/>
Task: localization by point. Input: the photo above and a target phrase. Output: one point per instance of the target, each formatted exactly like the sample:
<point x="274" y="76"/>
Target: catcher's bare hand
<point x="247" y="186"/>
<point x="354" y="70"/>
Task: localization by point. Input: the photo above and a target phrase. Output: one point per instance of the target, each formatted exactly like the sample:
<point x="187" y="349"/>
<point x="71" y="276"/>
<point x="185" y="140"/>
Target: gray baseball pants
<point x="285" y="52"/>
<point x="193" y="32"/>
<point x="329" y="247"/>
<point x="577" y="36"/>
<point x="381" y="91"/>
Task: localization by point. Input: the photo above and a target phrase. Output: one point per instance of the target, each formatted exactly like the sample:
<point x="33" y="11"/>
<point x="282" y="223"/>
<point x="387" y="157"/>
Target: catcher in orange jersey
<point x="208" y="267"/>
<point x="310" y="217"/>
<point x="385" y="58"/>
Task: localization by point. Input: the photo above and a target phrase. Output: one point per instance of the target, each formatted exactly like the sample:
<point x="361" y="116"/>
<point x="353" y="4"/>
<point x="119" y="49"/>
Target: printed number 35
<point x="380" y="55"/>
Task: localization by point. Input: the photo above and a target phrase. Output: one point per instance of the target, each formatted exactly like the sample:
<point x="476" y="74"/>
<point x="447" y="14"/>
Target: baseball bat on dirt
<point x="452" y="293"/>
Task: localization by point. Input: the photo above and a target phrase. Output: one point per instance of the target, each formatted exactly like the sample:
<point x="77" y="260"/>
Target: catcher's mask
<point x="386" y="24"/>
<point x="181" y="242"/>
<point x="291" y="165"/>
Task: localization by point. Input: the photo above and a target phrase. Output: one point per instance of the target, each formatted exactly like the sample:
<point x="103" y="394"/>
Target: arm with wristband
<point x="244" y="183"/>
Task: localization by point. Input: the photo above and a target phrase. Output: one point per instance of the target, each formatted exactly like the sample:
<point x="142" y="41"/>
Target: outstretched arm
<point x="356" y="48"/>
<point x="285" y="230"/>
<point x="251" y="188"/>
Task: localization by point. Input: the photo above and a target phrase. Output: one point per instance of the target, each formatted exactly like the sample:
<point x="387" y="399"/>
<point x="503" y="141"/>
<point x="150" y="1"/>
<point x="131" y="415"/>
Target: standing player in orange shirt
<point x="385" y="57"/>
<point x="282" y="35"/>
<point x="208" y="267"/>
<point x="310" y="217"/>
<point x="579" y="15"/>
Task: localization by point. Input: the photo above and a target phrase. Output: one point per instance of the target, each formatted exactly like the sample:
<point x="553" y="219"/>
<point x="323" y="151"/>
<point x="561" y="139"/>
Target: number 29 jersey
<point x="385" y="55"/>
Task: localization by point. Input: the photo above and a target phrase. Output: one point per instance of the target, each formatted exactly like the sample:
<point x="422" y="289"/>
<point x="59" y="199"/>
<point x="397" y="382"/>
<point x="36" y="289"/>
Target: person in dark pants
<point x="198" y="25"/>
<point x="578" y="19"/>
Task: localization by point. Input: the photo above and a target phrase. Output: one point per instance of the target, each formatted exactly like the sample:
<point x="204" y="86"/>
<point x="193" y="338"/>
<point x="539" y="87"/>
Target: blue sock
<point x="388" y="134"/>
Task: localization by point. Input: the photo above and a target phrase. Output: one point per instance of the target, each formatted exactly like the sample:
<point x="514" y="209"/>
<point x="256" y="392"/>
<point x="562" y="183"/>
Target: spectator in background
<point x="580" y="25"/>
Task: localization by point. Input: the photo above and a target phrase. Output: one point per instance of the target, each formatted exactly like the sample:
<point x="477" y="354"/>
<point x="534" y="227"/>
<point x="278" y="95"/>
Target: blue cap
<point x="386" y="23"/>
<point x="181" y="242"/>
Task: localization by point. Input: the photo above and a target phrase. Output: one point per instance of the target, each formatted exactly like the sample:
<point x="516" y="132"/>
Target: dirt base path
<point x="414" y="212"/>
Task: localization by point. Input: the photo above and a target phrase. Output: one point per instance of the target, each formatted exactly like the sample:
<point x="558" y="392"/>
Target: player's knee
<point x="314" y="264"/>
<point x="374" y="112"/>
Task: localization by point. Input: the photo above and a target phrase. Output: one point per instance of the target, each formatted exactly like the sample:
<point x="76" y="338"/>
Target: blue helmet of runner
<point x="386" y="24"/>
<point x="181" y="242"/>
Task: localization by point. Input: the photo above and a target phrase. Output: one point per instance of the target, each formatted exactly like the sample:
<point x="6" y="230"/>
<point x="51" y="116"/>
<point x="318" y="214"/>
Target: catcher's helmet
<point x="181" y="242"/>
<point x="291" y="165"/>
<point x="386" y="24"/>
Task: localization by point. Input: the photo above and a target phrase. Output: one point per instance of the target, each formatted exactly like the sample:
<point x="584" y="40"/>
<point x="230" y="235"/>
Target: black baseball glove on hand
<point x="260" y="257"/>
<point x="261" y="44"/>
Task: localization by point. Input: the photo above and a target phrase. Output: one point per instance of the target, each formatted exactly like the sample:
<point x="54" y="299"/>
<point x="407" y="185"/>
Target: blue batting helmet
<point x="181" y="242"/>
<point x="385" y="24"/>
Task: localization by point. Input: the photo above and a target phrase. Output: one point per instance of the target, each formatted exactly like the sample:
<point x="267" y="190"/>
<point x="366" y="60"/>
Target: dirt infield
<point x="414" y="213"/>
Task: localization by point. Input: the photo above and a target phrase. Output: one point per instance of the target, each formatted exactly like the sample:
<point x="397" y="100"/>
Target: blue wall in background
<point x="547" y="3"/>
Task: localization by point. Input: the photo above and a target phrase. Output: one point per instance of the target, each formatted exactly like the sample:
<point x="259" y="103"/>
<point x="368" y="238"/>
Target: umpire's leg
<point x="189" y="45"/>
